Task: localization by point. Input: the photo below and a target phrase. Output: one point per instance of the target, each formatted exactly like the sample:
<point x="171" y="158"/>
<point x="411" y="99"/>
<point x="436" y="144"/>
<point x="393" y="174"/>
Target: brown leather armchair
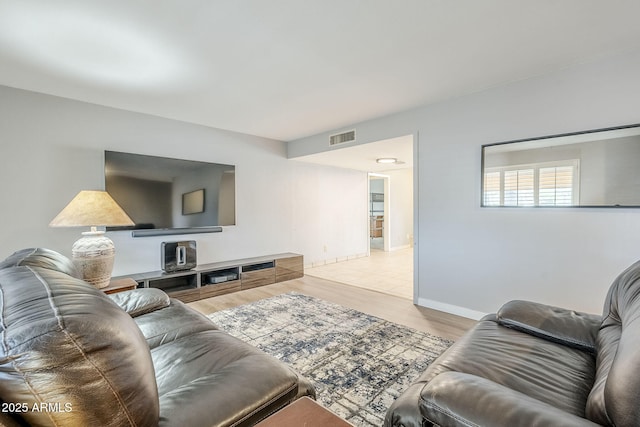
<point x="536" y="365"/>
<point x="72" y="356"/>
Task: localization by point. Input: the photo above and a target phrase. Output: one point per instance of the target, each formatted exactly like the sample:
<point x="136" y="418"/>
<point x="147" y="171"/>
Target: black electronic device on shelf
<point x="178" y="256"/>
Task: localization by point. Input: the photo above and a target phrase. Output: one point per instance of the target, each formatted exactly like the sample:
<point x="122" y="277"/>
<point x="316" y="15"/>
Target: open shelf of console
<point x="219" y="278"/>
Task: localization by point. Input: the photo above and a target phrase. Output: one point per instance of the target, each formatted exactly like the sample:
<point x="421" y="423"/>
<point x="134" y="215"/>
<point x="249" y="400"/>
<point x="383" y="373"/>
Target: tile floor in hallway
<point x="387" y="272"/>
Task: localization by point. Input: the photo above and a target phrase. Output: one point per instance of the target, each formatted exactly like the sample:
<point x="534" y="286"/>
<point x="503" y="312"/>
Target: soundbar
<point x="174" y="231"/>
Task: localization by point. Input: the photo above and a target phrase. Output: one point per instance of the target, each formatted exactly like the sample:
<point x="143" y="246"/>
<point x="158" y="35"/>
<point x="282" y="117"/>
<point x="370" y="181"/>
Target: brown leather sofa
<point x="536" y="365"/>
<point x="72" y="356"/>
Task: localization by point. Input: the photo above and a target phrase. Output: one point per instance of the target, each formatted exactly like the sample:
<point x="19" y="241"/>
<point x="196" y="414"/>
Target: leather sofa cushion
<point x="206" y="377"/>
<point x="66" y="343"/>
<point x="223" y="381"/>
<point x="557" y="375"/>
<point x="171" y="323"/>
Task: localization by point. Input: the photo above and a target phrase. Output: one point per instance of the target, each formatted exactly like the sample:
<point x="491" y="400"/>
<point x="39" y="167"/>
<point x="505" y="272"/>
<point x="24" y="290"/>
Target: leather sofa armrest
<point x="459" y="399"/>
<point x="567" y="327"/>
<point x="405" y="410"/>
<point x="137" y="302"/>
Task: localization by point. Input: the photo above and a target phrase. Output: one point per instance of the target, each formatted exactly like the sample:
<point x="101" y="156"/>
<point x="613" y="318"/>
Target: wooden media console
<point x="219" y="278"/>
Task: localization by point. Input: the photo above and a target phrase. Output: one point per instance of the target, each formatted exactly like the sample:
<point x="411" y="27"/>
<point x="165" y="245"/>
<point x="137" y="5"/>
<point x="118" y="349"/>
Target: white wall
<point x="329" y="213"/>
<point x="470" y="259"/>
<point x="51" y="148"/>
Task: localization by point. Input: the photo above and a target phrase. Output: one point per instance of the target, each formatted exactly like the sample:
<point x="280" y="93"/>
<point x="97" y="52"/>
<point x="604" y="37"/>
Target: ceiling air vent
<point x="341" y="138"/>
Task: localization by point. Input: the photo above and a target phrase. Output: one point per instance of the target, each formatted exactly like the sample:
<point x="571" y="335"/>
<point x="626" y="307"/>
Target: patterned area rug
<point x="358" y="363"/>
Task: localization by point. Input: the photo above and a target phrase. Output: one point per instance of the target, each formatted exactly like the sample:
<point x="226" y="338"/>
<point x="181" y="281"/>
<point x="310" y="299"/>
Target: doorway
<point x="379" y="213"/>
<point x="384" y="263"/>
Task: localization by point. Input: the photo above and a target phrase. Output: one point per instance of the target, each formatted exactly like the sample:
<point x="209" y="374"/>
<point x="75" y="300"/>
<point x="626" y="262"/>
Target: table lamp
<point x="94" y="252"/>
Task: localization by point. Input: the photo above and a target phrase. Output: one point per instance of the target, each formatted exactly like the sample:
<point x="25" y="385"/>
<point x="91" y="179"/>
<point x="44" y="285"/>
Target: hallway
<point x="387" y="272"/>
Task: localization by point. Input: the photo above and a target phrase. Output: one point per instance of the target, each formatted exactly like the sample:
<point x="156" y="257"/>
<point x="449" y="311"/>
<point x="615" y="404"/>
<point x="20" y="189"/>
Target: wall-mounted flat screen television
<point x="160" y="193"/>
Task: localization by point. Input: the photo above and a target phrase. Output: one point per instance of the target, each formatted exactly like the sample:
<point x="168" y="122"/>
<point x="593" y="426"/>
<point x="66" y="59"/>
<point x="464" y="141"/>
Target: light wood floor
<point x="395" y="309"/>
<point x="387" y="272"/>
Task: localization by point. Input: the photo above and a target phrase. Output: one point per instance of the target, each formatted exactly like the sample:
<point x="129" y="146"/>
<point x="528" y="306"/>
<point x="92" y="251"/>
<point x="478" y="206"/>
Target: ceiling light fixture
<point x="387" y="160"/>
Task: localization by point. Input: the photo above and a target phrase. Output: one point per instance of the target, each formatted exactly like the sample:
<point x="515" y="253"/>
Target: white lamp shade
<point x="92" y="208"/>
<point x="93" y="254"/>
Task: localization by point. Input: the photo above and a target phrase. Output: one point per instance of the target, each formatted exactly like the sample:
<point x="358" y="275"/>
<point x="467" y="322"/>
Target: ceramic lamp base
<point x="93" y="255"/>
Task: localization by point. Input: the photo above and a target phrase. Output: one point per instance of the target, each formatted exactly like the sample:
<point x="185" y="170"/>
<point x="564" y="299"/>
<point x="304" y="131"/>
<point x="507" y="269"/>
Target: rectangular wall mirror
<point x="597" y="168"/>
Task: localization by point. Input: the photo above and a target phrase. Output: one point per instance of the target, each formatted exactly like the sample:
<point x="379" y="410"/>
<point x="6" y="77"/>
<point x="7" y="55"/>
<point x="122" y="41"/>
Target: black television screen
<point x="164" y="193"/>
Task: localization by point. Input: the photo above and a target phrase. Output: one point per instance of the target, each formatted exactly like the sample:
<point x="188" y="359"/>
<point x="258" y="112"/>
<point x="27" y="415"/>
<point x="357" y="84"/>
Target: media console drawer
<point x="186" y="296"/>
<point x="215" y="289"/>
<point x="258" y="277"/>
<point x="289" y="268"/>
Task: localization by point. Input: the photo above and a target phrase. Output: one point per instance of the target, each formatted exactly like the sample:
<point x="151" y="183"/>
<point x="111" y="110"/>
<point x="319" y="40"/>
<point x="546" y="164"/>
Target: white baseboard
<point x="321" y="262"/>
<point x="450" y="308"/>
